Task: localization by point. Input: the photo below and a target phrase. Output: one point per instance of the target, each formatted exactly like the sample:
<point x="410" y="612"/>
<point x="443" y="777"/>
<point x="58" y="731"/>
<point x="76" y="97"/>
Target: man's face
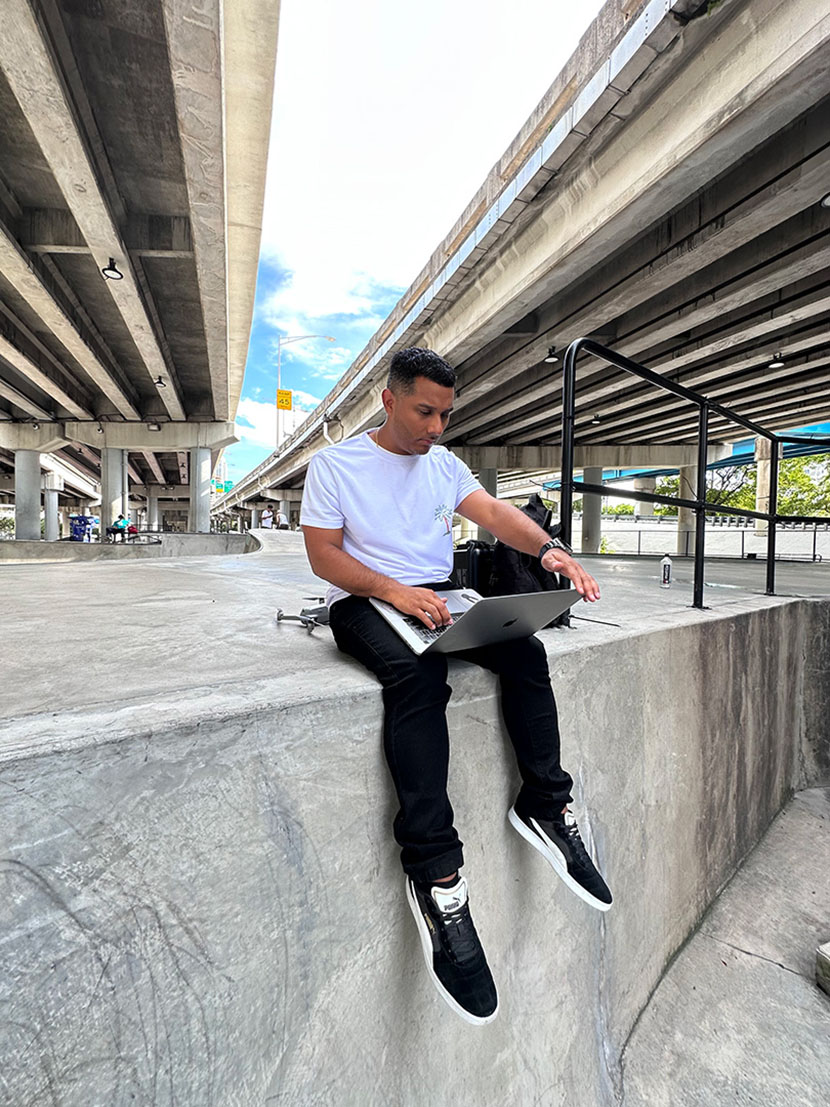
<point x="416" y="420"/>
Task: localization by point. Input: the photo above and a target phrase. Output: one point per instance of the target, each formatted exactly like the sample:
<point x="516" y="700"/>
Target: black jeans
<point x="416" y="740"/>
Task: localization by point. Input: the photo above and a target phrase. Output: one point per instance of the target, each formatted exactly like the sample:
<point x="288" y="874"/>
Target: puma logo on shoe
<point x="452" y="900"/>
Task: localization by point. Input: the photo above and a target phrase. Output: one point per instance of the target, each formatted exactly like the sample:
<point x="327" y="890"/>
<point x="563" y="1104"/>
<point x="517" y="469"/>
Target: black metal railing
<point x="698" y="505"/>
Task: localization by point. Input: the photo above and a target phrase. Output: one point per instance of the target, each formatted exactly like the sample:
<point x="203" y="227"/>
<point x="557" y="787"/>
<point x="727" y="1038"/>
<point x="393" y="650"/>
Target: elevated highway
<point x="668" y="197"/>
<point x="133" y="143"/>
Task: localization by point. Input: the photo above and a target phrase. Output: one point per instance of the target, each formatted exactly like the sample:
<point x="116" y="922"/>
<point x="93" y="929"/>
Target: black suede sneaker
<point x="452" y="950"/>
<point x="559" y="843"/>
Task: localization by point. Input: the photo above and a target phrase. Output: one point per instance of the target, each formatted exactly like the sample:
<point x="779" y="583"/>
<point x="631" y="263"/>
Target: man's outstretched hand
<point x="423" y="603"/>
<point x="557" y="561"/>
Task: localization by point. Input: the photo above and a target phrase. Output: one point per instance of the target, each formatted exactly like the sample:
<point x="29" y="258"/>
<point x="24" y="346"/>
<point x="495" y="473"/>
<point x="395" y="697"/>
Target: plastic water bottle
<point x="665" y="572"/>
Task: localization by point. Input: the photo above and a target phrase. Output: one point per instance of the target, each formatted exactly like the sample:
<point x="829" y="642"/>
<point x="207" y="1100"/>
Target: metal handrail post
<point x="772" y="511"/>
<point x="568" y="417"/>
<point x="700" y="513"/>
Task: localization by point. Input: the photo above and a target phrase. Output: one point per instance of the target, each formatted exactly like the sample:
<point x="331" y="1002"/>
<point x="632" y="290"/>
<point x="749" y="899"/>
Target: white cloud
<point x="387" y="118"/>
<point x="317" y="358"/>
<point x="260" y="425"/>
<point x="305" y="400"/>
<point x="256" y="421"/>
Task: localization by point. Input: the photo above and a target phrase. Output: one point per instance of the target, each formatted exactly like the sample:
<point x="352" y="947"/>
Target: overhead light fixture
<point x="596" y="419"/>
<point x="825" y="200"/>
<point x="159" y="383"/>
<point x="111" y="272"/>
<point x="552" y="357"/>
<point x="777" y="362"/>
<point x="100" y="429"/>
<point x="153" y="426"/>
<point x="36" y="426"/>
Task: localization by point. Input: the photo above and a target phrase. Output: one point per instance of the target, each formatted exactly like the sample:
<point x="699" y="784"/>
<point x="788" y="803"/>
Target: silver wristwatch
<point x="554" y="544"/>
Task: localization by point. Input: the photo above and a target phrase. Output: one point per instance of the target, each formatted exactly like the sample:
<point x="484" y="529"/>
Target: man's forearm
<point x="344" y="571"/>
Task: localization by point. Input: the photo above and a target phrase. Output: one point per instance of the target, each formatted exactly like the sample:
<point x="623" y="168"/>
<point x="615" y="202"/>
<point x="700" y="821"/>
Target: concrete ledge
<point x="172" y="545"/>
<point x="201" y="888"/>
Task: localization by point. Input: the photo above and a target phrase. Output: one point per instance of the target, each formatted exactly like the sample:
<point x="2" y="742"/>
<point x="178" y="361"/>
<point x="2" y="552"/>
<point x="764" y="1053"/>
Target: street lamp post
<point x="283" y="341"/>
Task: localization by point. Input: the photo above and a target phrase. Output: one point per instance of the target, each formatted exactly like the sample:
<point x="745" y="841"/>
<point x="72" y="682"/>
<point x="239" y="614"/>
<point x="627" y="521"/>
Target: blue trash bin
<point x="79" y="528"/>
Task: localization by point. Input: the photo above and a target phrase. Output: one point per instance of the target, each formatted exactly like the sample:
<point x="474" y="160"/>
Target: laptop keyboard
<point x="429" y="634"/>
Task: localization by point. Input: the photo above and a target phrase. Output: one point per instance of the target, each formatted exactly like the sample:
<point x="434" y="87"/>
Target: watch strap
<point x="554" y="544"/>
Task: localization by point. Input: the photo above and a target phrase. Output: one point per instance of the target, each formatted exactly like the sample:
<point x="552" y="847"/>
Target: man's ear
<point x="387" y="398"/>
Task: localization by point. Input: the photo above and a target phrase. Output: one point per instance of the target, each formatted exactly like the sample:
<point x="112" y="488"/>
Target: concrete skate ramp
<point x="171" y="545"/>
<point x="201" y="903"/>
<point x="738" y="1017"/>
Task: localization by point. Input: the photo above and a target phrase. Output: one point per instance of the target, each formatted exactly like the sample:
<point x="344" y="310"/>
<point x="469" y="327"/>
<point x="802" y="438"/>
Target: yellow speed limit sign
<point x="284" y="399"/>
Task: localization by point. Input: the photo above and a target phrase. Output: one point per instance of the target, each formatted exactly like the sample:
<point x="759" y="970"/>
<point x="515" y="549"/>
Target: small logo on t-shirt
<point x="443" y="513"/>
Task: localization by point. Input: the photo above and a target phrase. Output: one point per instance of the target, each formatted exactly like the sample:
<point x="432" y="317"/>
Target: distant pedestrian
<point x="119" y="527"/>
<point x="267" y="518"/>
<point x="282" y="521"/>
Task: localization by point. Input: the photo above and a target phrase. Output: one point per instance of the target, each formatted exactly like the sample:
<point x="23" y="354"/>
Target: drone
<point x="309" y="617"/>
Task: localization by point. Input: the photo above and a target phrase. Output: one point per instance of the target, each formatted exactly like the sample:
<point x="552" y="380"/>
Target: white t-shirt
<point x="395" y="509"/>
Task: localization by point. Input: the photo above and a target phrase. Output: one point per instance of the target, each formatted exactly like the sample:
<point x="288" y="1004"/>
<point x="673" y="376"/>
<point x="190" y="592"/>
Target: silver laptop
<point x="479" y="620"/>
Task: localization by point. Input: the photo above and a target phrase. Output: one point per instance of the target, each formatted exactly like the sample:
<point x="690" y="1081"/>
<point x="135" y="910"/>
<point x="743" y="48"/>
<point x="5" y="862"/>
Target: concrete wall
<point x="200" y="901"/>
<point x="172" y="545"/>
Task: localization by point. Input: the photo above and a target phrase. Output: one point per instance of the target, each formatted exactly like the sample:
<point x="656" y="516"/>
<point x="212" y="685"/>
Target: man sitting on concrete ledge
<point x="376" y="518"/>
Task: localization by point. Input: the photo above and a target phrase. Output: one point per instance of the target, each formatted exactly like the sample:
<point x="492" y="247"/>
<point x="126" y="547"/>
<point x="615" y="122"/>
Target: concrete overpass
<point x="667" y="197"/>
<point x="133" y="143"/>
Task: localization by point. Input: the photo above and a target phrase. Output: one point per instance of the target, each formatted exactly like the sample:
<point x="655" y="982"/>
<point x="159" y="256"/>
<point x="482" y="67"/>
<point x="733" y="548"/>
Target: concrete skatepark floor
<point x="145" y="628"/>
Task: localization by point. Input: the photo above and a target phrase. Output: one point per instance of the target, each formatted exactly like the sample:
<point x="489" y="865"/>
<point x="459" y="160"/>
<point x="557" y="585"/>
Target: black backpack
<point x="514" y="572"/>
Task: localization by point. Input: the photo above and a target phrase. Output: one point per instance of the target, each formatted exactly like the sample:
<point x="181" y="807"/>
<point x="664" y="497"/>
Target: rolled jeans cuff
<point x="426" y="872"/>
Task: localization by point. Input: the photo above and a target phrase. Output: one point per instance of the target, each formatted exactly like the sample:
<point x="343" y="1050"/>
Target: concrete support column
<point x="125" y="484"/>
<point x="112" y="488"/>
<point x="27" y="495"/>
<point x="198" y="519"/>
<point x="50" y="514"/>
<point x="254" y="518"/>
<point x="591" y="512"/>
<point x="644" y="484"/>
<point x="489" y="479"/>
<point x="764" y="458"/>
<point x="152" y="510"/>
<point x="685" y="515"/>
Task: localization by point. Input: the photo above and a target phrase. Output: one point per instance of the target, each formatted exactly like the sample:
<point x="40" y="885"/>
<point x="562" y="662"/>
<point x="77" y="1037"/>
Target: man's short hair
<point x="417" y="362"/>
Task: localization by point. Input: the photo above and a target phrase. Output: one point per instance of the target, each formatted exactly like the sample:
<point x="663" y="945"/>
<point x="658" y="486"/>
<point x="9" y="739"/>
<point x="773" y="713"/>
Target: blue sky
<point x="387" y="118"/>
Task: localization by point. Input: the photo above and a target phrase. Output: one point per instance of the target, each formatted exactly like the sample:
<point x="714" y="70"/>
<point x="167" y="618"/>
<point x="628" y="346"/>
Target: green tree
<point x="803" y="487"/>
<point x="665" y="486"/>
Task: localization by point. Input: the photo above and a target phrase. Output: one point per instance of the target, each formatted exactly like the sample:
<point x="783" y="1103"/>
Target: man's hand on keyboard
<point x="422" y="603"/>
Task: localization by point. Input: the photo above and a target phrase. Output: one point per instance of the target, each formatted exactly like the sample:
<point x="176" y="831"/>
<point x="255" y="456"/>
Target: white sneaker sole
<point x="554" y="858"/>
<point x="426" y="946"/>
